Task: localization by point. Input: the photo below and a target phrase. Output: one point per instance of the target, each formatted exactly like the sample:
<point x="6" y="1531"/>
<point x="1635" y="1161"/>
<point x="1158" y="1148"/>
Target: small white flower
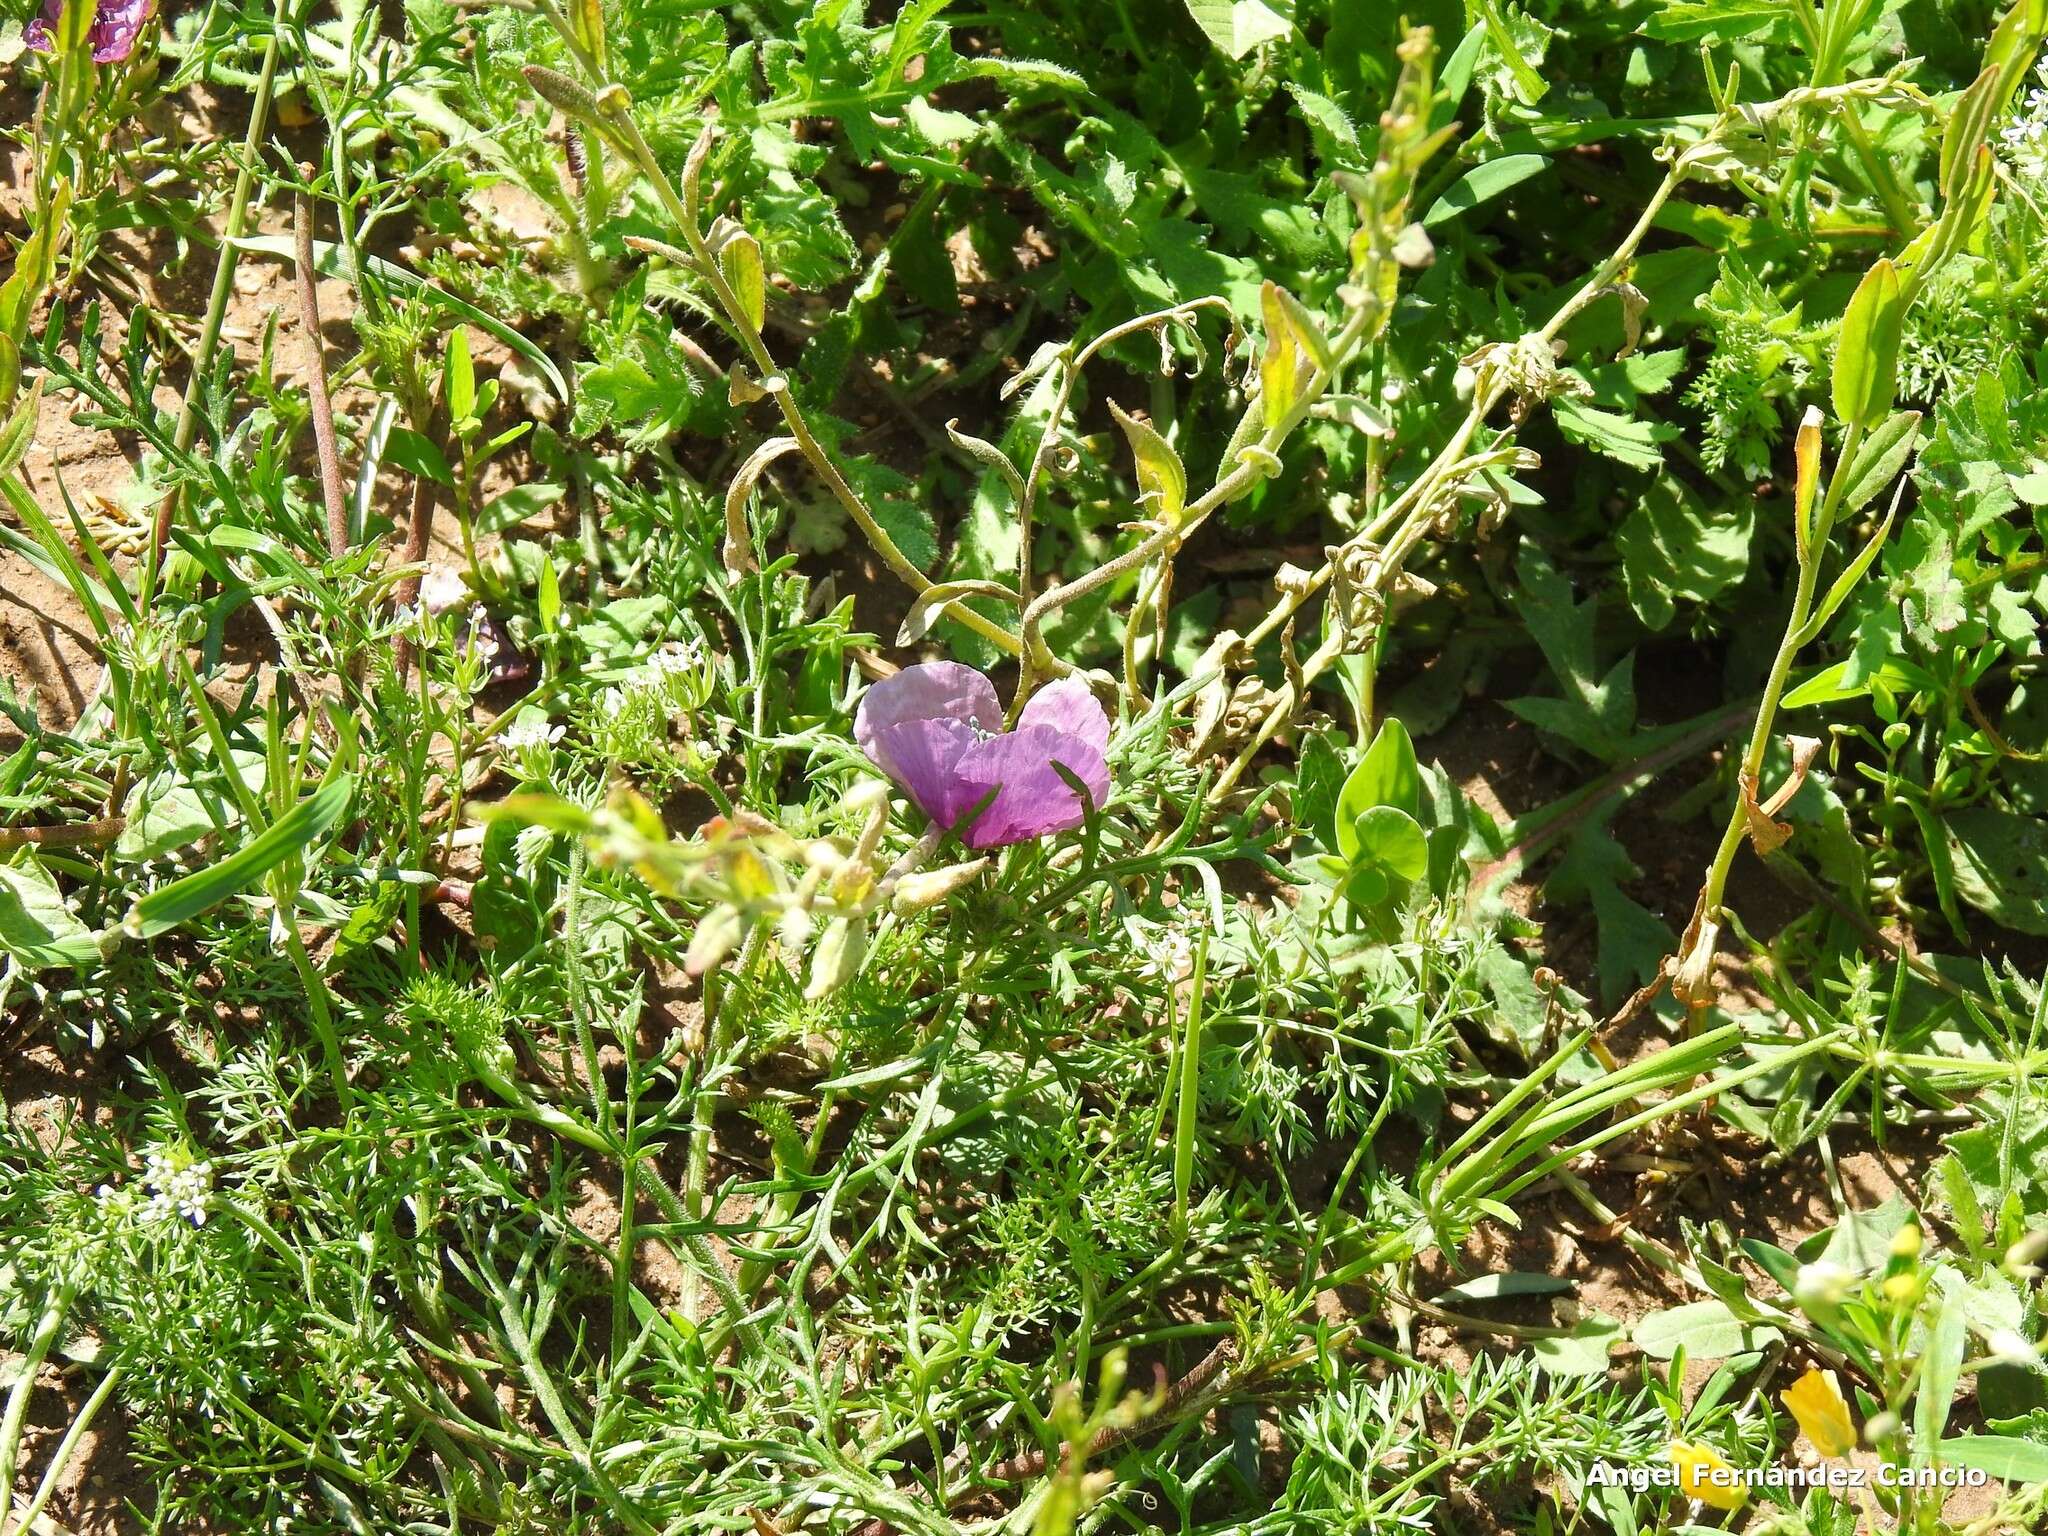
<point x="529" y="732"/>
<point x="1167" y="952"/>
<point x="179" y="1186"/>
<point x="676" y="657"/>
<point x="441" y="589"/>
<point x="483" y="638"/>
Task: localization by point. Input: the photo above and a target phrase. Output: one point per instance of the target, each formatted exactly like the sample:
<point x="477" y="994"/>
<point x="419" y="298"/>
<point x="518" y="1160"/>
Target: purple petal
<point x="1069" y="707"/>
<point x="935" y="690"/>
<point x="924" y="756"/>
<point x="116" y="25"/>
<point x="1031" y="798"/>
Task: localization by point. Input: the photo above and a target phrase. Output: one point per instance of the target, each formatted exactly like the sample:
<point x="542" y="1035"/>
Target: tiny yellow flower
<point x="1816" y="1401"/>
<point x="1903" y="1290"/>
<point x="1704" y="1475"/>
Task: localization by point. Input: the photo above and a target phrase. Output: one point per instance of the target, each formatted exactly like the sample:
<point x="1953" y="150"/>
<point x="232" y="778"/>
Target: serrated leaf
<point x="1624" y="439"/>
<point x="1674" y="550"/>
<point x="2001" y="864"/>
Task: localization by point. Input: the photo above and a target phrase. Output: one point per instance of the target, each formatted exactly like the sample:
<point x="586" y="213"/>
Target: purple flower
<point x="937" y="730"/>
<point x="115" y="27"/>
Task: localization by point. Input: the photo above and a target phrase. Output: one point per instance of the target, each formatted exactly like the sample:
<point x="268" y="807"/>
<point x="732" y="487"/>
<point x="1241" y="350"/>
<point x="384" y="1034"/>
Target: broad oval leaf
<point x="1706" y="1329"/>
<point x="1386" y="775"/>
<point x="1390" y="840"/>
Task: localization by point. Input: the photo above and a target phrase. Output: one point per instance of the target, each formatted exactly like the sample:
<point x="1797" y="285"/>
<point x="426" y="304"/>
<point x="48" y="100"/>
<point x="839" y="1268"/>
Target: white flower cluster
<point x="178" y="1186"/>
<point x="530" y="732"/>
<point x="2025" y="135"/>
<point x="678" y="659"/>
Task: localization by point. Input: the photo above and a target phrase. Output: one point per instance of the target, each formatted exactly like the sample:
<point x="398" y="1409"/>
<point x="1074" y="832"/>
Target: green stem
<point x="66" y="1448"/>
<point x="1774" y="685"/>
<point x="1187" y="1098"/>
<point x="223" y="288"/>
<point x="47" y="1328"/>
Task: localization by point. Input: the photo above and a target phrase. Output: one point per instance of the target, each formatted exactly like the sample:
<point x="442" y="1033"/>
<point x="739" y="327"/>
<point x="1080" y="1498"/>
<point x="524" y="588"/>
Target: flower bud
<point x="1906" y="1242"/>
<point x="915" y="892"/>
<point x="558" y="90"/>
<point x="2025" y="1255"/>
<point x="1820" y="1288"/>
<point x="837" y="958"/>
<point x="717" y="932"/>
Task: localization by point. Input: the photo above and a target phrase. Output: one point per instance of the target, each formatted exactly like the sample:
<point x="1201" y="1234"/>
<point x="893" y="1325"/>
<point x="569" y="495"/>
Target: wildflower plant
<point x="1221" y="768"/>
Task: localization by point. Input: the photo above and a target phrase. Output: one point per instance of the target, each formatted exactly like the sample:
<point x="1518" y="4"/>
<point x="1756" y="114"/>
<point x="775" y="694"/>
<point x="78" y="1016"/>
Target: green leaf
<point x="1386" y="775"/>
<point x="330" y="261"/>
<point x="1583" y="1351"/>
<point x="1391" y="841"/>
<point x="458" y="376"/>
<point x="1482" y="184"/>
<point x="1238" y="26"/>
<point x="1831" y="685"/>
<point x="1941" y="1367"/>
<point x="1861" y="1241"/>
<point x="1622" y="438"/>
<point x="740" y="261"/>
<point x="1595" y="714"/>
<point x="1318" y="780"/>
<point x="1720" y="21"/>
<point x="1707" y="1330"/>
<point x="2007" y="1459"/>
<point x="182" y="900"/>
<point x="168" y="811"/>
<point x="1879" y="460"/>
<point x="35" y="925"/>
<point x="1673" y="550"/>
<point x="1513" y="1282"/>
<point x="416" y="454"/>
<point x="1867" y="347"/>
<point x="1162" y="482"/>
<point x="2001" y="865"/>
